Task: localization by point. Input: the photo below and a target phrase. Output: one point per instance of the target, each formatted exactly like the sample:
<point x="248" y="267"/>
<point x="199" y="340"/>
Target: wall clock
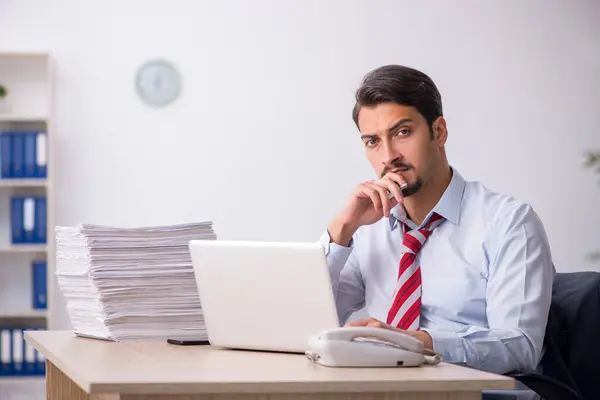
<point x="158" y="83"/>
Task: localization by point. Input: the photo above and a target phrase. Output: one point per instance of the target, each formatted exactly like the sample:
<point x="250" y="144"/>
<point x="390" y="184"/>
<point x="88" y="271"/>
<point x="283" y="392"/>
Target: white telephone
<point x="361" y="346"/>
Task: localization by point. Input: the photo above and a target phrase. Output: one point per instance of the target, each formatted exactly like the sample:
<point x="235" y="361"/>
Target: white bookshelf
<point x="29" y="79"/>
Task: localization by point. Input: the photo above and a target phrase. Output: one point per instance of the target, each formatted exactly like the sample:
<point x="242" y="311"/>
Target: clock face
<point x="158" y="83"/>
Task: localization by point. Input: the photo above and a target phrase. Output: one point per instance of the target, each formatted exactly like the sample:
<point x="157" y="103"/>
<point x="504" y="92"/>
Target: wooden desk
<point x="81" y="369"/>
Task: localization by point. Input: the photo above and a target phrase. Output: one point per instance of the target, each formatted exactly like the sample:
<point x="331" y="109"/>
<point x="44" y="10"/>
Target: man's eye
<point x="403" y="132"/>
<point x="370" y="142"/>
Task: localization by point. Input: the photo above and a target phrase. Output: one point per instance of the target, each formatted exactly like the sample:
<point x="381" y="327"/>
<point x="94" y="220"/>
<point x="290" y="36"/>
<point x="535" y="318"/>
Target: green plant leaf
<point x="593" y="161"/>
<point x="593" y="158"/>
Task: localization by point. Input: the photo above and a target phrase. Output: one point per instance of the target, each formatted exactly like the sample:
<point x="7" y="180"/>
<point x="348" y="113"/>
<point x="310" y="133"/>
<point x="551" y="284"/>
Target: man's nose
<point x="390" y="155"/>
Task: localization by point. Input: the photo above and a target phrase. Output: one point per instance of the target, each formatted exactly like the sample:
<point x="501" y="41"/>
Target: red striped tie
<point x="406" y="307"/>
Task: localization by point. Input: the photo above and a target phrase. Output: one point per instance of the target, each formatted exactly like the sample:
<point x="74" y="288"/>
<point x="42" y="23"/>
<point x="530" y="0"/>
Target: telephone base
<point x="315" y="358"/>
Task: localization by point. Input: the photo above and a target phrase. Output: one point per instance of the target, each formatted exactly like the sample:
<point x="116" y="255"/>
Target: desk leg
<point x="61" y="387"/>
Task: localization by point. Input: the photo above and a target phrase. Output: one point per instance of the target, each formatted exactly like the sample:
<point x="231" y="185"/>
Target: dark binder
<point x="30" y="155"/>
<point x="18" y="155"/>
<point x="39" y="278"/>
<point x="40" y="220"/>
<point x="16" y="218"/>
<point x="5" y="155"/>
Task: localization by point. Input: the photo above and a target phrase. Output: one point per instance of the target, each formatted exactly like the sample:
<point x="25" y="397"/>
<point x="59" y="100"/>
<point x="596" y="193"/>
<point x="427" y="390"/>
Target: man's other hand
<point x="372" y="322"/>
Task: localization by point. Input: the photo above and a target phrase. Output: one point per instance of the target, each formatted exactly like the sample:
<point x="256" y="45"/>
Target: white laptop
<point x="263" y="295"/>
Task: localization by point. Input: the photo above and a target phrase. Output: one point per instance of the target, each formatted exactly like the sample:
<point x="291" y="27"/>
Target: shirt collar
<point x="448" y="206"/>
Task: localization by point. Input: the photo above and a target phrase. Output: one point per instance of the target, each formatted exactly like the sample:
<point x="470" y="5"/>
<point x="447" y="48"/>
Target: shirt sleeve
<point x="346" y="278"/>
<point x="518" y="296"/>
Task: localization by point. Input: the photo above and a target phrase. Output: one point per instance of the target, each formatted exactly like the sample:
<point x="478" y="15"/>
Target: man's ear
<point x="440" y="132"/>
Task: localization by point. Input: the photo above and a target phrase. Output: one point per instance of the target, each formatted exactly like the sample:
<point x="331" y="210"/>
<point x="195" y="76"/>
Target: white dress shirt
<point x="487" y="277"/>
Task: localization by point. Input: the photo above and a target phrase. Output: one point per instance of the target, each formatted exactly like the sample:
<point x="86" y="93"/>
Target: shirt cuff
<point x="448" y="345"/>
<point x="332" y="247"/>
<point x="336" y="255"/>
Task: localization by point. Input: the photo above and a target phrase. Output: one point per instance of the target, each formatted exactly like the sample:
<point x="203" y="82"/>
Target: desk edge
<point x="77" y="379"/>
<point x="502" y="383"/>
<point x="495" y="382"/>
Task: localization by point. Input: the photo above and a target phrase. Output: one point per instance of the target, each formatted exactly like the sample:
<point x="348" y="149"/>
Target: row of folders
<point x="19" y="358"/>
<point x="29" y="220"/>
<point x="23" y="154"/>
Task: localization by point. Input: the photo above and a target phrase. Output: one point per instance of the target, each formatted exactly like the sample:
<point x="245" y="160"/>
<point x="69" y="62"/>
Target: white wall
<point x="262" y="141"/>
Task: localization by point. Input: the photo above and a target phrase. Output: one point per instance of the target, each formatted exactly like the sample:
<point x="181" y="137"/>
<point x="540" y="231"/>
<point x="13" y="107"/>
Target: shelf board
<point x="24" y="54"/>
<point x="11" y="314"/>
<point x="21" y="380"/>
<point x="22" y="118"/>
<point x="25" y="182"/>
<point x="24" y="248"/>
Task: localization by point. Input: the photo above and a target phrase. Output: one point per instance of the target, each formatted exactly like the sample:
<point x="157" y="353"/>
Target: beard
<point x="412" y="187"/>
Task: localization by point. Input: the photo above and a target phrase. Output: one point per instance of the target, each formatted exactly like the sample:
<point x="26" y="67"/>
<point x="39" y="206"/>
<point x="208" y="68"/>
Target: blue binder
<point x="41" y="150"/>
<point x="30" y="154"/>
<point x="18" y="351"/>
<point x="30" y="365"/>
<point x="29" y="219"/>
<point x="18" y="155"/>
<point x="16" y="218"/>
<point x="40" y="220"/>
<point x="39" y="286"/>
<point x="40" y="362"/>
<point x="6" y="359"/>
<point x="5" y="155"/>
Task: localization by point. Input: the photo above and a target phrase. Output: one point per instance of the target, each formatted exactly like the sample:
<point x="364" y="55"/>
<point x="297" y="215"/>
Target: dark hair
<point x="401" y="85"/>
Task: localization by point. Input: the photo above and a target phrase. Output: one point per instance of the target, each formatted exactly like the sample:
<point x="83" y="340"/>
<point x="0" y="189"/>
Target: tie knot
<point x="434" y="221"/>
<point x="414" y="239"/>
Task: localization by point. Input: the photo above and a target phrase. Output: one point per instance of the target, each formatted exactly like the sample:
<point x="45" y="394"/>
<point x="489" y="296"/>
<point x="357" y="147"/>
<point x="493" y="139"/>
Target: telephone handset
<point x="361" y="346"/>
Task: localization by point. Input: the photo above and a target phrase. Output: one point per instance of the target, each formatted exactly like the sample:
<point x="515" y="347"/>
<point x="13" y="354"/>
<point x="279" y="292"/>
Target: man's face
<point x="398" y="138"/>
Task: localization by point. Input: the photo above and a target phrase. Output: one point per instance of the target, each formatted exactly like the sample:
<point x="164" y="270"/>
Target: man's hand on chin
<point x="421" y="335"/>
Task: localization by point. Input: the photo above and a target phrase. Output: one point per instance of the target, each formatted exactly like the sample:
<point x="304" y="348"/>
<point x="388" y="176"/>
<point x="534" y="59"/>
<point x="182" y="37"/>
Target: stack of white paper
<point x="131" y="284"/>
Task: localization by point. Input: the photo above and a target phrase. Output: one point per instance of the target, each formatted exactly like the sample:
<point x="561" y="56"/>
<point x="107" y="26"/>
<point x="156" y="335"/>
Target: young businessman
<point x="464" y="269"/>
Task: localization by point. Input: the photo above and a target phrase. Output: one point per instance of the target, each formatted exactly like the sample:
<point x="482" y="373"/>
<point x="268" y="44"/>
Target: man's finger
<point x="376" y="324"/>
<point x="397" y="178"/>
<point x="395" y="195"/>
<point x="383" y="195"/>
<point x="370" y="322"/>
<point x="373" y="195"/>
<point x="359" y="322"/>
